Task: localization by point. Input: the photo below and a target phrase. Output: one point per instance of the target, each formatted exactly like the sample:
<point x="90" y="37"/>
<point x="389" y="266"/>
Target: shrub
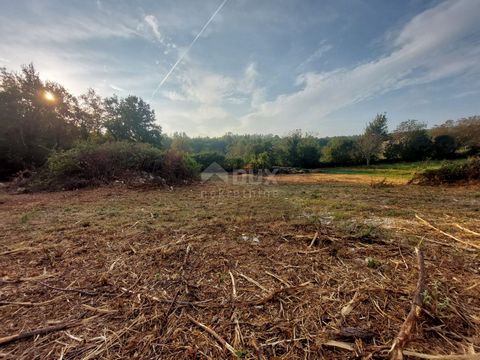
<point x="122" y="160"/>
<point x="450" y="173"/>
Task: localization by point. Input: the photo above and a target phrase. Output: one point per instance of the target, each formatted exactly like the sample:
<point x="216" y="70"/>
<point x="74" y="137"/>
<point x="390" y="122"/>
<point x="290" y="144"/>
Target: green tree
<point x="339" y="150"/>
<point x="465" y="131"/>
<point x="35" y="117"/>
<point x="180" y="143"/>
<point x="410" y="142"/>
<point x="370" y="143"/>
<point x="93" y="114"/>
<point x="308" y="153"/>
<point x="444" y="146"/>
<point x="131" y="119"/>
<point x="206" y="158"/>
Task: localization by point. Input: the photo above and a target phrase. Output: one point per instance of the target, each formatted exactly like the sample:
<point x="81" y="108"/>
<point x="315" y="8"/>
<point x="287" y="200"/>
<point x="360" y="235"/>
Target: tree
<point x="370" y="143"/>
<point x="292" y="142"/>
<point x="260" y="161"/>
<point x="465" y="132"/>
<point x="206" y="158"/>
<point x="131" y="119"/>
<point x="181" y="143"/>
<point x="308" y="152"/>
<point x="339" y="150"/>
<point x="444" y="146"/>
<point x="410" y="142"/>
<point x="93" y="114"/>
<point x="35" y="117"/>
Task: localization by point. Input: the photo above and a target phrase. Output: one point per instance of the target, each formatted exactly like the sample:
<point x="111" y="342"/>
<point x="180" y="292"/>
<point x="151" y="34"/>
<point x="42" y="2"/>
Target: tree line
<point x="38" y="118"/>
<point x="410" y="141"/>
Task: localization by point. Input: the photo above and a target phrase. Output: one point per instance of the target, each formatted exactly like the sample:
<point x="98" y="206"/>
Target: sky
<point x="258" y="66"/>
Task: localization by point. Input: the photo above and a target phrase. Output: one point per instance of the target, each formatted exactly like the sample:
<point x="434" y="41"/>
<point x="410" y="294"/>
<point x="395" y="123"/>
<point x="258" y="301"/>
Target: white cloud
<point x="317" y="54"/>
<point x="117" y="88"/>
<point x="207" y="99"/>
<point x="205" y="87"/>
<point x="152" y="22"/>
<point x="173" y="96"/>
<point x="430" y="47"/>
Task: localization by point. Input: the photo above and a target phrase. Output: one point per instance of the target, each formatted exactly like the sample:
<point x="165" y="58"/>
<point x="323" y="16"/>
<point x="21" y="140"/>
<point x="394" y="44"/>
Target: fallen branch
<point x="41" y="331"/>
<point x="447" y="234"/>
<point x="83" y="292"/>
<point x="406" y="329"/>
<point x="215" y="335"/>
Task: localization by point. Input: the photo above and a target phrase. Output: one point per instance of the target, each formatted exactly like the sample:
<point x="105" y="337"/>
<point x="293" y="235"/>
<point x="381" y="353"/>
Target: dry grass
<point x="190" y="274"/>
<point x="321" y="178"/>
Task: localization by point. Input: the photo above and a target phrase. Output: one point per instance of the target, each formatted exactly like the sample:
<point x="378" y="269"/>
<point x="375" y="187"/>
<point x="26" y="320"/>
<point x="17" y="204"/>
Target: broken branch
<point x="406" y="329"/>
<point x="215" y="335"/>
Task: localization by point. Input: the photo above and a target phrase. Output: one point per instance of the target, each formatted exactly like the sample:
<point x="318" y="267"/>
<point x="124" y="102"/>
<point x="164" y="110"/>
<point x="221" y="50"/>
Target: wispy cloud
<point x="425" y="50"/>
<point x="182" y="56"/>
<point x="317" y="54"/>
<point x="152" y="22"/>
<point x="117" y="88"/>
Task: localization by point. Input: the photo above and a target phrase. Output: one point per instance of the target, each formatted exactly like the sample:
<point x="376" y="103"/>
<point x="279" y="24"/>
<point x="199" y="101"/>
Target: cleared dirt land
<point x="221" y="271"/>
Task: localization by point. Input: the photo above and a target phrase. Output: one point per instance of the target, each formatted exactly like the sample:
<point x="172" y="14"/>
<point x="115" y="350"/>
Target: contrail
<point x="188" y="49"/>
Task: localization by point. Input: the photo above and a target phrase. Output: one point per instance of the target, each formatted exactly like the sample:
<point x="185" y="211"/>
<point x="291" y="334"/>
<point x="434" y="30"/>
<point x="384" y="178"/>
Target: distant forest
<point x="38" y="119"/>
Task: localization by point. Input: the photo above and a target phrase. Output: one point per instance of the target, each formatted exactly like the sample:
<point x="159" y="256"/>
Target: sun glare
<point x="49" y="96"/>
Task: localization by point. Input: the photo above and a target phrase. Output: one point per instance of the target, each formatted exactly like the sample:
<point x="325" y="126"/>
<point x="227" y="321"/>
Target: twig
<point x="234" y="290"/>
<point x="467" y="230"/>
<point x="406" y="329"/>
<point x="170" y="309"/>
<point x="25" y="279"/>
<point x="283" y="341"/>
<point x="253" y="282"/>
<point x="284" y="282"/>
<point x="447" y="234"/>
<point x="215" y="335"/>
<point x="22" y="303"/>
<point x="340" y="344"/>
<point x="314" y="239"/>
<point x="441" y="357"/>
<point x="310" y="252"/>
<point x="41" y="331"/>
<point x="275" y="293"/>
<point x="83" y="292"/>
<point x="13" y="251"/>
<point x="99" y="310"/>
<point x="167" y="301"/>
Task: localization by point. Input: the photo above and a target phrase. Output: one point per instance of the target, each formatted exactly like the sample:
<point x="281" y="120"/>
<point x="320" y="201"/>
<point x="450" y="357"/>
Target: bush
<point x="450" y="173"/>
<point x="122" y="160"/>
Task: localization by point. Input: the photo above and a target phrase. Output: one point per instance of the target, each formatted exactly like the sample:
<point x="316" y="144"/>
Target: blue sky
<point x="258" y="66"/>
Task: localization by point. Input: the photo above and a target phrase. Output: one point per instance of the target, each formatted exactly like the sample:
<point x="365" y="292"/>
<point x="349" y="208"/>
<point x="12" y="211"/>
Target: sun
<point x="49" y="96"/>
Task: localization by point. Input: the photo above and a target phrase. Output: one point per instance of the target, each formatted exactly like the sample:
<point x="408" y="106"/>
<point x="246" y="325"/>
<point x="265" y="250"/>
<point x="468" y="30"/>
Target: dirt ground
<point x="297" y="269"/>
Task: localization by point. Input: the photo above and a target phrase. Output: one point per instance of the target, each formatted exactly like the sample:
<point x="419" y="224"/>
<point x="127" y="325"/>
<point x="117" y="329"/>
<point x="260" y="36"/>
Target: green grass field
<point x="397" y="171"/>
